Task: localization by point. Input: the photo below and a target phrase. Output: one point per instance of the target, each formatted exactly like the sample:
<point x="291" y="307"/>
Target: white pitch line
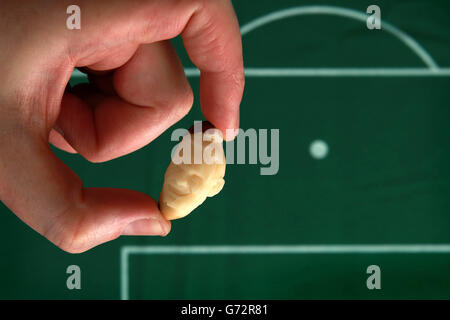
<point x="126" y="251"/>
<point x="343" y="12"/>
<point x="348" y="72"/>
<point x="124" y="282"/>
<point x="336" y="72"/>
<point x="289" y="249"/>
<point x="326" y="72"/>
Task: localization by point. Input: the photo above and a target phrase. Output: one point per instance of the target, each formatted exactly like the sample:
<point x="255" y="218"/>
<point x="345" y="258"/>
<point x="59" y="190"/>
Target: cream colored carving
<point x="187" y="183"/>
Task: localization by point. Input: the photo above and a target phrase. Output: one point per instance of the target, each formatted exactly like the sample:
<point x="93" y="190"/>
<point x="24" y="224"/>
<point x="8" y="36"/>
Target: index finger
<point x="210" y="32"/>
<point x="213" y="41"/>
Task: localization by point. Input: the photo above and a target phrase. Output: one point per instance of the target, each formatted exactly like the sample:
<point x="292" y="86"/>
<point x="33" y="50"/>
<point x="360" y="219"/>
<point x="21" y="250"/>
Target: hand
<point x="137" y="90"/>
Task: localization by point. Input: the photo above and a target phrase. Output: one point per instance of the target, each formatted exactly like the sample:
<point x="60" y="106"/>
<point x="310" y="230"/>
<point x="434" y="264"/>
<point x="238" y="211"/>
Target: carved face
<point x="187" y="185"/>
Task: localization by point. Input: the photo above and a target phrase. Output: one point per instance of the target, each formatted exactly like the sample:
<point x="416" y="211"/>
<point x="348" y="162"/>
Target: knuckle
<point x="178" y="105"/>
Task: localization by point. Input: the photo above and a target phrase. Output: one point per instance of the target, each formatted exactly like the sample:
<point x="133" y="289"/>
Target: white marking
<point x="124" y="282"/>
<point x="126" y="251"/>
<point x="326" y="72"/>
<point x="343" y="12"/>
<point x="341" y="72"/>
<point x="318" y="149"/>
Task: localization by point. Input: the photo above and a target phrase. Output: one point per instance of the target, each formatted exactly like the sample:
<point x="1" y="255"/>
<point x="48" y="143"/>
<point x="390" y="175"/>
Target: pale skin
<point x="138" y="90"/>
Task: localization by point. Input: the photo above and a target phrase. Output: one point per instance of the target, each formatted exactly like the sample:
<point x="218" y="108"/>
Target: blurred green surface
<point x="386" y="178"/>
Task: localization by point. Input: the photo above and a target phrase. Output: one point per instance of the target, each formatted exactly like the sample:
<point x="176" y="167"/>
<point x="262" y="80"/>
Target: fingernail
<point x="146" y="227"/>
<point x="230" y="134"/>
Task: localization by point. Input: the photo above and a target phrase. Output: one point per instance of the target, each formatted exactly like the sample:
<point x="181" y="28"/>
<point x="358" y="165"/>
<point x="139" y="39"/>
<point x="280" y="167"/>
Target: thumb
<point x="50" y="197"/>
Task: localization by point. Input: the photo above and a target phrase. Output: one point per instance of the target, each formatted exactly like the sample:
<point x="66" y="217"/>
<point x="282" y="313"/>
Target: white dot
<point x="318" y="149"/>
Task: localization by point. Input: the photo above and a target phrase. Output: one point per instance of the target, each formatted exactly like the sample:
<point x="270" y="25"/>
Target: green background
<point x="385" y="180"/>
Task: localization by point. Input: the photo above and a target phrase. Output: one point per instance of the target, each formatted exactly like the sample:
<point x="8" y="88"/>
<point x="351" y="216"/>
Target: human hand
<point x="137" y="90"/>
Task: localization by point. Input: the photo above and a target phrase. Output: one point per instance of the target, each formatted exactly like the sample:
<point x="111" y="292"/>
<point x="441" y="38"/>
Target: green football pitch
<point x="379" y="103"/>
